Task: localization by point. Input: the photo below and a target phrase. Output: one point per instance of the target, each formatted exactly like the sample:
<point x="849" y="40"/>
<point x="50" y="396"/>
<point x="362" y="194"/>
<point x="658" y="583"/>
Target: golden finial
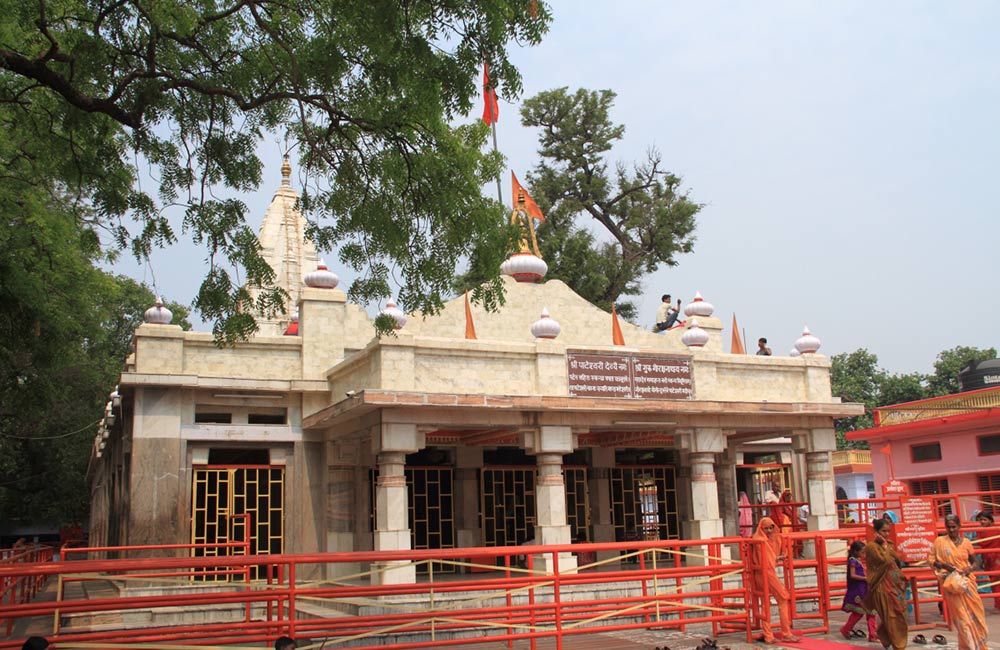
<point x="286" y="173"/>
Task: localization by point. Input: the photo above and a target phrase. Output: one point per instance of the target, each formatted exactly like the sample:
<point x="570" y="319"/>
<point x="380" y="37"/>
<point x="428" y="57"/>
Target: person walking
<point x="767" y="554"/>
<point x="854" y="599"/>
<point x="953" y="558"/>
<point x="990" y="560"/>
<point x="886" y="587"/>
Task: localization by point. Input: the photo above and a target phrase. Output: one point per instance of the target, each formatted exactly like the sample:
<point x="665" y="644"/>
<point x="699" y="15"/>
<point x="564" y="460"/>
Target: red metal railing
<point x="655" y="584"/>
<point x="22" y="585"/>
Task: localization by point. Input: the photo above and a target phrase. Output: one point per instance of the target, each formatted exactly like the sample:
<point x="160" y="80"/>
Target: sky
<point x="845" y="154"/>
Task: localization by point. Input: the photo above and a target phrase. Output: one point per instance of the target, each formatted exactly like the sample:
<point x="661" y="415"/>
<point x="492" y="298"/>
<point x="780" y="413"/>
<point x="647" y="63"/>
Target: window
<point x="990" y="483"/>
<point x="267" y="416"/>
<point x="925" y="453"/>
<point x="989" y="445"/>
<point x="930" y="487"/>
<point x="213" y="418"/>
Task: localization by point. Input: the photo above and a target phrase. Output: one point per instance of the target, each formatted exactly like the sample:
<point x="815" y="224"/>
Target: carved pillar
<point x="705" y="522"/>
<point x="728" y="494"/>
<point x="599" y="485"/>
<point x="549" y="444"/>
<point x="467" y="522"/>
<point x="391" y="443"/>
<point x="817" y="445"/>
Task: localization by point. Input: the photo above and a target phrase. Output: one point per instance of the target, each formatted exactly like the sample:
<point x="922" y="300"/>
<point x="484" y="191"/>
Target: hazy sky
<point x="845" y="153"/>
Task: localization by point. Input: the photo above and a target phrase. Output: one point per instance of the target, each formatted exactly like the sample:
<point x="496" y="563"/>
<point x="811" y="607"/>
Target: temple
<point x="316" y="435"/>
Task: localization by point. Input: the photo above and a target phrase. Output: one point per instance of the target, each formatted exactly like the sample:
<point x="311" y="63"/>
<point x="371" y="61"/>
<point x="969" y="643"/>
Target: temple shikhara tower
<point x="318" y="436"/>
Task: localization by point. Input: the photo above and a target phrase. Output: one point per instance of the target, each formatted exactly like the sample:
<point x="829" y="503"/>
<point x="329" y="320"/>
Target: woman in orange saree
<point x="886" y="587"/>
<point x="767" y="555"/>
<point x="952" y="558"/>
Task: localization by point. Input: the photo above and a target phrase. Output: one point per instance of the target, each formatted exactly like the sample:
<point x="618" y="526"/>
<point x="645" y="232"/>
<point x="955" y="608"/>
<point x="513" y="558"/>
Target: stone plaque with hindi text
<point x="637" y="376"/>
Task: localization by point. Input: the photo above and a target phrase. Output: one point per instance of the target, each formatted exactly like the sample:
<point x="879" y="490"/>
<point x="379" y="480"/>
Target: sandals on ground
<point x="920" y="639"/>
<point x="857" y="634"/>
<point x="939" y="639"/>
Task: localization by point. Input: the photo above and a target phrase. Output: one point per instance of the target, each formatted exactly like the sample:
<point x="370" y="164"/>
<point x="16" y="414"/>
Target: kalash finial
<point x="527" y="264"/>
<point x="286" y="173"/>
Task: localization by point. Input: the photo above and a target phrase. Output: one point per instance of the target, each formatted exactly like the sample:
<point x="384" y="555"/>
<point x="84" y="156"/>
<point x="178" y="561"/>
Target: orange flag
<point x="887" y="450"/>
<point x="736" y="346"/>
<point x="521" y="194"/>
<point x="616" y="328"/>
<point x="470" y="327"/>
<point x="491" y="109"/>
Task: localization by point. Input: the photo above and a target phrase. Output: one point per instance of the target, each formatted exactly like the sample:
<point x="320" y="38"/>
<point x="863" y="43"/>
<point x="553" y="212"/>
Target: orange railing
<point x="861" y="512"/>
<point x="331" y="596"/>
<point x="21" y="586"/>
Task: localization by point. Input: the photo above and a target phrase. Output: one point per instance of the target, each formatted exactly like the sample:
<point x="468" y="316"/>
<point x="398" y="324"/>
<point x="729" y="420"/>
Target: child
<point x="857" y="589"/>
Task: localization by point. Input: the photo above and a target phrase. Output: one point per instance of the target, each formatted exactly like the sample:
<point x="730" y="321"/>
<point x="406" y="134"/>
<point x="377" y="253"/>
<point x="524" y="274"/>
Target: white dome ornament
<point x="158" y="314"/>
<point x="322" y="278"/>
<point x="794" y="353"/>
<point x="395" y="313"/>
<point x="807" y="343"/>
<point x="699" y="307"/>
<point x="695" y="337"/>
<point x="545" y="327"/>
<point x="524" y="267"/>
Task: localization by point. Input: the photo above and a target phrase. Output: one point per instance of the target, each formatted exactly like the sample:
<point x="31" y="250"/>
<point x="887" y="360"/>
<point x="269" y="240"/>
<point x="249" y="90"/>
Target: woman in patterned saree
<point x="952" y="557"/>
<point x="886" y="587"/>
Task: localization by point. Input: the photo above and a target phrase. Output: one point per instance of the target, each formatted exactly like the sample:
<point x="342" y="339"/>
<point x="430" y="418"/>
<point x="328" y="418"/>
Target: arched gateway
<point x="333" y="440"/>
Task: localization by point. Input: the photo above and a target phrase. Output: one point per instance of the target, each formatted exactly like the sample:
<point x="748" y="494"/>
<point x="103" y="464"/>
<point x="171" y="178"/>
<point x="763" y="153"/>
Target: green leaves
<point x="647" y="216"/>
<point x="857" y="377"/>
<point x="368" y="88"/>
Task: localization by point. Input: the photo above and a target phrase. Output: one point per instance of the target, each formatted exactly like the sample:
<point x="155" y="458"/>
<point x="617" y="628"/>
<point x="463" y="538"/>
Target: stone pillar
<point x="549" y="444"/>
<point x="467" y="522"/>
<point x="602" y="459"/>
<point x="728" y="494"/>
<point x="391" y="443"/>
<point x="817" y="445"/>
<point x="705" y="522"/>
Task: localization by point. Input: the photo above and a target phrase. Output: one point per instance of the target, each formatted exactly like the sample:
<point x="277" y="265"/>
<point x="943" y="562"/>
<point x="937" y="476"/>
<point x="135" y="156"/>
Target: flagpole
<point x="495" y="150"/>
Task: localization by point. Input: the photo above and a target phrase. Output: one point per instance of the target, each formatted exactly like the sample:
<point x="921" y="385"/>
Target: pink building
<point x="941" y="445"/>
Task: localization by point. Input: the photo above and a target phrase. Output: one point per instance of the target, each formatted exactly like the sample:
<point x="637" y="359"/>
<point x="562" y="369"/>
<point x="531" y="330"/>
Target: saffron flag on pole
<point x="491" y="109"/>
<point x="887" y="450"/>
<point x="736" y="344"/>
<point x="470" y="327"/>
<point x="616" y="328"/>
<point x="520" y="194"/>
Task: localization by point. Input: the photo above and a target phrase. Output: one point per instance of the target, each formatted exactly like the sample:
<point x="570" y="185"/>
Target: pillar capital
<point x="814" y="440"/>
<point x="396" y="436"/>
<point x="549" y="439"/>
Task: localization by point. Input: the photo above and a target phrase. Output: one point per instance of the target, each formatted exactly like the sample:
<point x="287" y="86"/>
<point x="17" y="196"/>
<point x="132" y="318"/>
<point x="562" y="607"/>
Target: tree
<point x="65" y="328"/>
<point x="855" y="377"/>
<point x="93" y="91"/>
<point x="647" y="216"/>
<point x="949" y="363"/>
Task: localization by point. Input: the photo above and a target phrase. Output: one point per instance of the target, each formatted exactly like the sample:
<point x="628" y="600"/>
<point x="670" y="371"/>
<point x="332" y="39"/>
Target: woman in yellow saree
<point x="886" y="587"/>
<point x="768" y="553"/>
<point x="952" y="558"/>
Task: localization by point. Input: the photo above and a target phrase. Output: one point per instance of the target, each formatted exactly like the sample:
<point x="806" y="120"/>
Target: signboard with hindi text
<point x="894" y="488"/>
<point x="916" y="531"/>
<point x="637" y="376"/>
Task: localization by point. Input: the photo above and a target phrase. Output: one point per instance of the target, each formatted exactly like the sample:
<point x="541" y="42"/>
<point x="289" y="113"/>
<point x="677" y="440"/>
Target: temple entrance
<point x="644" y="502"/>
<point x="507" y="505"/>
<point x="235" y="504"/>
<point x="431" y="509"/>
<point x="756" y="479"/>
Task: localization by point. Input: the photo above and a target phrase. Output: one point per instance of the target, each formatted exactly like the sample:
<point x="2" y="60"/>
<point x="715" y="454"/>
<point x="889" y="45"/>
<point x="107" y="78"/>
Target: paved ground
<point x="691" y="639"/>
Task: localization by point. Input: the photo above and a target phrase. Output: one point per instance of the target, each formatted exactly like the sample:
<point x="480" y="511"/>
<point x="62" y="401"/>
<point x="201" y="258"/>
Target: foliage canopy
<point x="95" y="91"/>
<point x="648" y="217"/>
